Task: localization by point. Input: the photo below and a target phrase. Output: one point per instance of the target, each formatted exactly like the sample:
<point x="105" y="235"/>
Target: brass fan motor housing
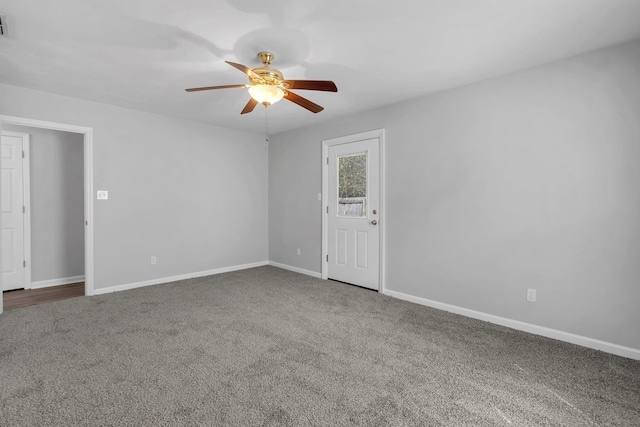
<point x="269" y="75"/>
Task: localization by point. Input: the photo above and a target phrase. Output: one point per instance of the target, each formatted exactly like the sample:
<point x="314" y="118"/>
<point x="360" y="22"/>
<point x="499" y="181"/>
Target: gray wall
<point x="529" y="180"/>
<point x="193" y="195"/>
<point x="57" y="203"/>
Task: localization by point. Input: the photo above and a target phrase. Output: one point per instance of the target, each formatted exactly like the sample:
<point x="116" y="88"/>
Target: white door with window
<point x="13" y="272"/>
<point x="352" y="209"/>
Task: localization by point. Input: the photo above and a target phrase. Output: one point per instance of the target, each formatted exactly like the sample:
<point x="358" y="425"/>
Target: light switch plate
<point x="103" y="195"/>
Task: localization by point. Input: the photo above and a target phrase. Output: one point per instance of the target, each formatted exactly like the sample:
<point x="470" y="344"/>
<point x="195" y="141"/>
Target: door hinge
<point x="24" y="210"/>
<point x="86" y="223"/>
<point x="23" y="154"/>
<point x="327" y="209"/>
<point x="327" y="160"/>
<point x="24" y="264"/>
<point x="327" y="258"/>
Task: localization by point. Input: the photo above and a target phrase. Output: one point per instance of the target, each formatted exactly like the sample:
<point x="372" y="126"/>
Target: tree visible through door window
<point x="352" y="185"/>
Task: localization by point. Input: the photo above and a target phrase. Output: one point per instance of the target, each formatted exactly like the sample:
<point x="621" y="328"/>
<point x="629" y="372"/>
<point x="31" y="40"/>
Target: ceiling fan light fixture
<point x="268" y="86"/>
<point x="266" y="94"/>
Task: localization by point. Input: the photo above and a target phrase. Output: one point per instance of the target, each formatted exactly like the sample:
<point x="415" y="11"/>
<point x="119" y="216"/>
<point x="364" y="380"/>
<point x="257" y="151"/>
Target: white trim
<point x="22" y="121"/>
<point x="26" y="191"/>
<point x="296" y="269"/>
<point x="88" y="184"/>
<point x="88" y="212"/>
<point x="378" y="134"/>
<point x="383" y="209"/>
<point x="161" y="280"/>
<point x="56" y="282"/>
<point x="631" y="353"/>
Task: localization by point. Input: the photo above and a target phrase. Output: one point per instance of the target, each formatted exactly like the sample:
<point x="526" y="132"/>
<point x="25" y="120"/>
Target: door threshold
<point x="351" y="284"/>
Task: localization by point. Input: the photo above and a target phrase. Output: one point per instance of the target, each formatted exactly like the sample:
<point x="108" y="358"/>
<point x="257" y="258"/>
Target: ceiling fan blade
<point x="196" y="89"/>
<point x="303" y="102"/>
<point x="250" y="106"/>
<point x="248" y="71"/>
<point x="324" y="85"/>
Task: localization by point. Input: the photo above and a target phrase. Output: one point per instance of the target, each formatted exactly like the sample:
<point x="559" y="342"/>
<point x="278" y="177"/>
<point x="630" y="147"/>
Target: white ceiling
<point x="142" y="54"/>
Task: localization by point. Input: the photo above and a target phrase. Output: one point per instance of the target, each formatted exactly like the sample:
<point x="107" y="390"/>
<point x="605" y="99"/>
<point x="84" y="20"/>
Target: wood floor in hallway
<point x="26" y="297"/>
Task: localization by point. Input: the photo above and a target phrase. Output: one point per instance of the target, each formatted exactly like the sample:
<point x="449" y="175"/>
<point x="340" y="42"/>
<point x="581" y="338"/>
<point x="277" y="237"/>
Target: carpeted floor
<point x="268" y="347"/>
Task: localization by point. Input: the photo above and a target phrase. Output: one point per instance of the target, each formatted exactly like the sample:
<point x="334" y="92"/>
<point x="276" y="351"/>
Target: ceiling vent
<point x="3" y="25"/>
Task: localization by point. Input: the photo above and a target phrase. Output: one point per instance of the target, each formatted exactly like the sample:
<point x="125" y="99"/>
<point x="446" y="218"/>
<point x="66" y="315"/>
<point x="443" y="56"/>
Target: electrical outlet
<point x="103" y="195"/>
<point x="154" y="261"/>
<point x="298" y="251"/>
<point x="531" y="295"/>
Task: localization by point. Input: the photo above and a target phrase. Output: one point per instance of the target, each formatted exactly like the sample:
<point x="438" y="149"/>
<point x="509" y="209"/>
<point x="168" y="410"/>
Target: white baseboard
<point x="56" y="282"/>
<point x="296" y="269"/>
<point x="631" y="353"/>
<point x="151" y="282"/>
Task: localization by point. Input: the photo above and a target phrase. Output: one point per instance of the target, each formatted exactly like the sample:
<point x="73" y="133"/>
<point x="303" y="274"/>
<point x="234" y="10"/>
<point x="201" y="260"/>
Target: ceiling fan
<point x="268" y="86"/>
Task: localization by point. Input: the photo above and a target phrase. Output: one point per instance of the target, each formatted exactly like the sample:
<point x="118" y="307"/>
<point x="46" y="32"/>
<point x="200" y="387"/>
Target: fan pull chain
<point x="266" y="127"/>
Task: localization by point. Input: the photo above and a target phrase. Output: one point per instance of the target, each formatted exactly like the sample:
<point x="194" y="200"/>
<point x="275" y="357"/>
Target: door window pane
<point x="352" y="185"/>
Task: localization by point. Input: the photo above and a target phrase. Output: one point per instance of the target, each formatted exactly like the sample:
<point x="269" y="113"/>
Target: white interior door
<point x="353" y="213"/>
<point x="13" y="272"/>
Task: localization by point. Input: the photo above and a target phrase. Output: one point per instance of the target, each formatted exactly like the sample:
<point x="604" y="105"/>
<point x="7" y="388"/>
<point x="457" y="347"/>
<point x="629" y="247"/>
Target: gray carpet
<point x="268" y="347"/>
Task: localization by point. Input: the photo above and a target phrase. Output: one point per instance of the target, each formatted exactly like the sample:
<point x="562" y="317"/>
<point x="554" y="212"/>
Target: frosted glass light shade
<point x="266" y="93"/>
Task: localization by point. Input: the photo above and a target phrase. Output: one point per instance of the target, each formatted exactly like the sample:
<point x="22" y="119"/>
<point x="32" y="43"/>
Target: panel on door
<point x="354" y="195"/>
<point x="11" y="195"/>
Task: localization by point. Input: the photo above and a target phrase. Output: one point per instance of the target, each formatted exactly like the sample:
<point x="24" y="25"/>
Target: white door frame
<point x="26" y="202"/>
<point x="88" y="185"/>
<point x="374" y="134"/>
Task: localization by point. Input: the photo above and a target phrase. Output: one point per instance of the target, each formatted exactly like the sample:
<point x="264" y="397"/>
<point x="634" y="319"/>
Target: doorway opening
<point x="86" y="135"/>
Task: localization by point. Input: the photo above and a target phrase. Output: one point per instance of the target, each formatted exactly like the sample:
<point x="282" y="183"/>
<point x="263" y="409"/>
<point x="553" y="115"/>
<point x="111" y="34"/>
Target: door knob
<point x="374" y="222"/>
